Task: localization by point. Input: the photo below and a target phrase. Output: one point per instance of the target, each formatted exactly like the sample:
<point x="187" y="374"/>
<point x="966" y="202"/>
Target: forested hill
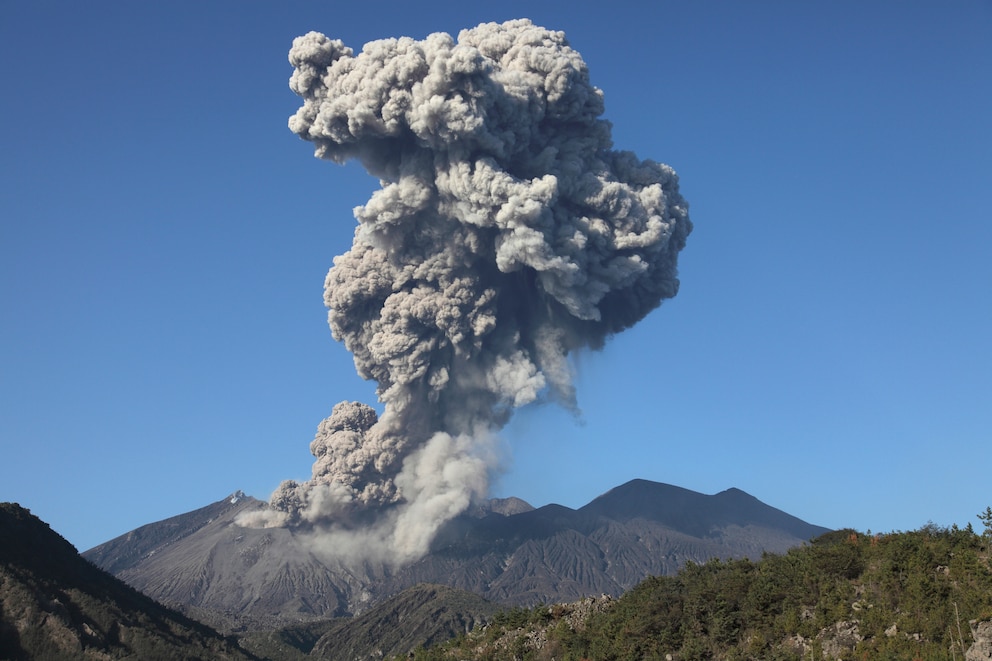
<point x="925" y="594"/>
<point x="56" y="605"/>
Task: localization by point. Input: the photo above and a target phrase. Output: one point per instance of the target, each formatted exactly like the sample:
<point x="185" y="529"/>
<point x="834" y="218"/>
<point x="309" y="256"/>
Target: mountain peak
<point x="735" y="490"/>
<point x="691" y="512"/>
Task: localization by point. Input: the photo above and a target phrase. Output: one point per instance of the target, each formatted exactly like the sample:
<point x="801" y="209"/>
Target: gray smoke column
<point x="506" y="235"/>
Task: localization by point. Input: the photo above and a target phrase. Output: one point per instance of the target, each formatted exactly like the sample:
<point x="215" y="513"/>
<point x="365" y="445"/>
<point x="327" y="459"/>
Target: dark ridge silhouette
<point x="56" y="605"/>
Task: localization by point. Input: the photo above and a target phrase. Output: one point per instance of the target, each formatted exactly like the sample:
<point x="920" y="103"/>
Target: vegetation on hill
<point x="56" y="605"/>
<point x="846" y="595"/>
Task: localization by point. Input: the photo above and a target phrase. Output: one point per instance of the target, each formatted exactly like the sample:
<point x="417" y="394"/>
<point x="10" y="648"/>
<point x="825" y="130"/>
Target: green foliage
<point x="986" y="519"/>
<point x="904" y="594"/>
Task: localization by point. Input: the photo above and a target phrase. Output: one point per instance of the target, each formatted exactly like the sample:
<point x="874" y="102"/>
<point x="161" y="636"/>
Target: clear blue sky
<point x="164" y="239"/>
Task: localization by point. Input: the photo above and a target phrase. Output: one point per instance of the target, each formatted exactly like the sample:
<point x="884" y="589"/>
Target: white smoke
<point x="506" y="235"/>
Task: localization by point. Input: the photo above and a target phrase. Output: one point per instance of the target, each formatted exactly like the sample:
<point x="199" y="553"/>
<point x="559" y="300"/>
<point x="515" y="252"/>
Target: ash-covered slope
<point x="252" y="577"/>
<point x="121" y="553"/>
<point x="56" y="605"/>
<point x="550" y="554"/>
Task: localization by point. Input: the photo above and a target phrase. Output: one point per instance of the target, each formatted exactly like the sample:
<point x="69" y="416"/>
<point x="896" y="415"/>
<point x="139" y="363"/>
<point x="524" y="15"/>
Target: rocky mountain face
<point x="56" y="605"/>
<point x="506" y="552"/>
<point x="981" y="649"/>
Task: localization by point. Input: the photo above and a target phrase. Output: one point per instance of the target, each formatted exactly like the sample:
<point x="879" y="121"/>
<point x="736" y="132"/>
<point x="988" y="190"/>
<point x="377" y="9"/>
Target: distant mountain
<point x="693" y="513"/>
<point x="56" y="605"/>
<point x="555" y="554"/>
<point x="506" y="552"/>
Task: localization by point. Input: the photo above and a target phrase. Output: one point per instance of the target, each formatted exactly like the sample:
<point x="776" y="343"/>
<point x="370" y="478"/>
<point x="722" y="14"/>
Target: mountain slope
<point x="642" y="528"/>
<point x="422" y="615"/>
<point x="54" y="604"/>
<point x="254" y="578"/>
<point x="261" y="577"/>
<point x="122" y="553"/>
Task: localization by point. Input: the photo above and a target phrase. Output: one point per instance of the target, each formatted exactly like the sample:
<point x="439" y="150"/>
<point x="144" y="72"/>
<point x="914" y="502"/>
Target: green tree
<point x="986" y="519"/>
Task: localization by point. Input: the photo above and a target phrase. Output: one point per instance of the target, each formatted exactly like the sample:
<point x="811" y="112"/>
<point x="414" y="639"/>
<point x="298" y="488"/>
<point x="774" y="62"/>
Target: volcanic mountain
<point x="506" y="552"/>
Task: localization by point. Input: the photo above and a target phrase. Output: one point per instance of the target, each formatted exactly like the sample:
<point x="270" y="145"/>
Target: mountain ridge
<point x="731" y="505"/>
<point x="265" y="577"/>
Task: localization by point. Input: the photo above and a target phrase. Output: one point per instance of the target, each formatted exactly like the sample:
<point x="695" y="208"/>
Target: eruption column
<point x="507" y="234"/>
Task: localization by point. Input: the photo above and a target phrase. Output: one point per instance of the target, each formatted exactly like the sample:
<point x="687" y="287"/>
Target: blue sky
<point x="164" y="239"/>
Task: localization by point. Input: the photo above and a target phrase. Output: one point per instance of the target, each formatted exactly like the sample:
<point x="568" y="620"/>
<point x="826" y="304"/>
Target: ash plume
<point x="506" y="235"/>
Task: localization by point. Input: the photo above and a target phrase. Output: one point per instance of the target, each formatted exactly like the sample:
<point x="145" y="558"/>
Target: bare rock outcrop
<point x="981" y="649"/>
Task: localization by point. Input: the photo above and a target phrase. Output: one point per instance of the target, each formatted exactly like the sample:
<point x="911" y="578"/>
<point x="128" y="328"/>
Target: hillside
<point x="424" y="615"/>
<point x="56" y="605"/>
<point x="507" y="552"/>
<point x="925" y="594"/>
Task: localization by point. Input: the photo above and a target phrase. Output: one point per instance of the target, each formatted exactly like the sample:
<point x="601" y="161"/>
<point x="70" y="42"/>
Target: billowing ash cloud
<point x="507" y="234"/>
